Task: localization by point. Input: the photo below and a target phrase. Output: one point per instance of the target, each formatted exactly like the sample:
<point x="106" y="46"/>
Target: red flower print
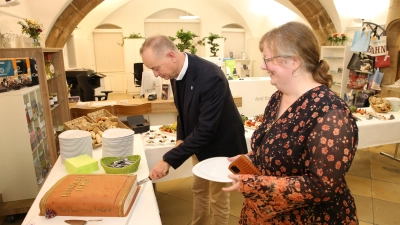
<point x="336" y="131"/>
<point x="290" y="115"/>
<point x="319" y="172"/>
<point x="277" y="162"/>
<point x="327" y="217"/>
<point x="289" y="152"/>
<point x="340" y="123"/>
<point x="307" y="163"/>
<point x="271" y="141"/>
<point x="346" y="151"/>
<point x="317" y="200"/>
<point x="295" y="128"/>
<point x="294" y="170"/>
<point x="325" y="179"/>
<point x="345" y="159"/>
<point x="284" y="135"/>
<point x="320" y="120"/>
<point x="325" y="127"/>
<point x="296" y="197"/>
<point x="324" y="150"/>
<point x="301" y="138"/>
<point x="338" y="165"/>
<point x="325" y="109"/>
<point x="322" y="140"/>
<point x="314" y="115"/>
<point x="331" y="158"/>
<point x="330" y="142"/>
<point x="286" y="145"/>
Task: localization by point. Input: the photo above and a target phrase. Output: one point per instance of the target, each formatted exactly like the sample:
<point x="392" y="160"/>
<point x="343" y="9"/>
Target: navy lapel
<point x="190" y="83"/>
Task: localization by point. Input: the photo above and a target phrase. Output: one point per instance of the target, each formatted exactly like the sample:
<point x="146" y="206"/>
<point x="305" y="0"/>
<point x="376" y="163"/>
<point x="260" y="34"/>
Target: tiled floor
<point x="374" y="180"/>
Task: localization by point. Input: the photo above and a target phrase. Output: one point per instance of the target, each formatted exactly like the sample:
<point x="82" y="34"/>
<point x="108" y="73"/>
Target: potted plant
<point x="186" y="41"/>
<point x="131" y="36"/>
<point x="214" y="46"/>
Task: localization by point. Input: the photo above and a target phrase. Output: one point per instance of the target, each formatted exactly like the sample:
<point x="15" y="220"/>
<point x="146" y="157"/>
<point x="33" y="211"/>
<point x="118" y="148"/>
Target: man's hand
<point x="160" y="170"/>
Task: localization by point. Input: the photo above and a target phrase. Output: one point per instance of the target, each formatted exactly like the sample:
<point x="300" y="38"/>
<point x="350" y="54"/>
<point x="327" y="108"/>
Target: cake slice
<point x="104" y="195"/>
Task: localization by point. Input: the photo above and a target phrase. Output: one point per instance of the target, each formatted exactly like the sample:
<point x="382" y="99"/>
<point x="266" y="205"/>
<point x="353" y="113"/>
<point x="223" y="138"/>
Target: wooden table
<point x="158" y="106"/>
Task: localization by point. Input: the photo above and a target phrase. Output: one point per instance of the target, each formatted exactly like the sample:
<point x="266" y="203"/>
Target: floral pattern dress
<point x="303" y="157"/>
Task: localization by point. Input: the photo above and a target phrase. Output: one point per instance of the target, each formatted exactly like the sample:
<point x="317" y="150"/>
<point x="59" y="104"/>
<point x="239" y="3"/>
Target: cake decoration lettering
<point x="68" y="191"/>
<point x="82" y="185"/>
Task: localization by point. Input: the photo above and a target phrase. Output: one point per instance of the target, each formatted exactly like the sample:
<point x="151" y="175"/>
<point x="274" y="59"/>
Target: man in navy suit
<point x="209" y="124"/>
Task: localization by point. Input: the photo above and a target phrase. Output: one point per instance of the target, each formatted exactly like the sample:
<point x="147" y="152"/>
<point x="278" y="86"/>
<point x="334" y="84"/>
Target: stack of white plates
<point x="117" y="142"/>
<point x="75" y="143"/>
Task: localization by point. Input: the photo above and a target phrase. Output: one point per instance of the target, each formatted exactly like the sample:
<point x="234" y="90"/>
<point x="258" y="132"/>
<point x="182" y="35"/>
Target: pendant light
<point x="188" y="17"/>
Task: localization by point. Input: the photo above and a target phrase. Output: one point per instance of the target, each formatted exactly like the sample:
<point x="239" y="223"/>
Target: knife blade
<point x="143" y="181"/>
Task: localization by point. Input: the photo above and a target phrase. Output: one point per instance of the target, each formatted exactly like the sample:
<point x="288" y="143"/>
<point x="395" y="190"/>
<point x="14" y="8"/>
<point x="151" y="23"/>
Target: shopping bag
<point x="357" y="80"/>
<point x="361" y="41"/>
<point x="377" y="46"/>
<point x="361" y="62"/>
<point x="374" y="80"/>
<point x="382" y="60"/>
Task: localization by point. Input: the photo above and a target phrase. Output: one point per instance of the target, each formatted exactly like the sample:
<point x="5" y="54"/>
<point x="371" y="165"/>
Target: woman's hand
<point x="235" y="180"/>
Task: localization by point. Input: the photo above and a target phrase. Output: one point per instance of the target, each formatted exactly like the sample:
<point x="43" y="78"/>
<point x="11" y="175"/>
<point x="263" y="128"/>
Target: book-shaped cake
<point x="105" y="195"/>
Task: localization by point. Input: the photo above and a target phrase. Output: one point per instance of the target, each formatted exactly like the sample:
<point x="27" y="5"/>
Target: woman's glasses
<point x="267" y="60"/>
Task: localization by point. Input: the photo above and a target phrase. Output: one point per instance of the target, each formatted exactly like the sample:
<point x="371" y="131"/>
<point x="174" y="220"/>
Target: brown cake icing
<point x="105" y="195"/>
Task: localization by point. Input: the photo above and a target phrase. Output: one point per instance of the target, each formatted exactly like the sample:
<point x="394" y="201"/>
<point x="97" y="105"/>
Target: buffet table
<point x="371" y="133"/>
<point x="144" y="211"/>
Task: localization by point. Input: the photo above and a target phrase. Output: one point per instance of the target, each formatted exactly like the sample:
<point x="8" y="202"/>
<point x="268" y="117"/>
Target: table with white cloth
<point x="144" y="210"/>
<point x="373" y="132"/>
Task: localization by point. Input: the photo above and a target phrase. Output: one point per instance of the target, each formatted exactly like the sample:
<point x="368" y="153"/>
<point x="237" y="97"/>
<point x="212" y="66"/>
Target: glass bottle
<point x="49" y="67"/>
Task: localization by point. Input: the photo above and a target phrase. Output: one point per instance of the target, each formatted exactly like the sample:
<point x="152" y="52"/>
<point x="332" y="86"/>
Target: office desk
<point x="144" y="211"/>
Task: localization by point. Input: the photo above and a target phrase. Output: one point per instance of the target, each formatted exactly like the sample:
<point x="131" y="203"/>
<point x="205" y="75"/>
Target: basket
<point x="100" y="113"/>
<point x="119" y="123"/>
<point x="380" y="105"/>
<point x="128" y="169"/>
<point x="75" y="124"/>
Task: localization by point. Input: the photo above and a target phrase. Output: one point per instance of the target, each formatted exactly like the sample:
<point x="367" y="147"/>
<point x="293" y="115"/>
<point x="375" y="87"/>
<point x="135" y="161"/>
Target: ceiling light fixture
<point x="188" y="17"/>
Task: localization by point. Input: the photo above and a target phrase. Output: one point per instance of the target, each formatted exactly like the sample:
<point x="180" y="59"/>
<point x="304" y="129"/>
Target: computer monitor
<point x="150" y="84"/>
<point x="216" y="60"/>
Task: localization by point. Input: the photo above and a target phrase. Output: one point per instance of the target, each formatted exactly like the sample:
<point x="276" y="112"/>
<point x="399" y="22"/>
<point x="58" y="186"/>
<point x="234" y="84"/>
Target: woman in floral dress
<point x="306" y="142"/>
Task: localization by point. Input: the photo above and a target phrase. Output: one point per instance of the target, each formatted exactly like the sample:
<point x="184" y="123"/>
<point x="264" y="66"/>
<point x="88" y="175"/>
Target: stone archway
<point x="72" y="15"/>
<point x="68" y="20"/>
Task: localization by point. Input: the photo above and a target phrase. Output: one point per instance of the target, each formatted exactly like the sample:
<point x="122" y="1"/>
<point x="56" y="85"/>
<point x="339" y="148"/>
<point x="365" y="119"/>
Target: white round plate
<point x="214" y="169"/>
<point x="72" y="134"/>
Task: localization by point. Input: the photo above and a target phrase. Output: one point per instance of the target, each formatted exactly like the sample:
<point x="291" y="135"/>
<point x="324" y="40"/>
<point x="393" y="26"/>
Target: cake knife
<point x="143" y="181"/>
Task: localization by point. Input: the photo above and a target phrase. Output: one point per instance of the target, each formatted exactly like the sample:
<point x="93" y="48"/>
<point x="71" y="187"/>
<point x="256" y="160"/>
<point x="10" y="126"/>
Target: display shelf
<point x="249" y="65"/>
<point x="337" y="57"/>
<point x="18" y="149"/>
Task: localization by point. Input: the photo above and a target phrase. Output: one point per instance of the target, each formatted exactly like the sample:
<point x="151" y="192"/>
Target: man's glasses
<point x="266" y="60"/>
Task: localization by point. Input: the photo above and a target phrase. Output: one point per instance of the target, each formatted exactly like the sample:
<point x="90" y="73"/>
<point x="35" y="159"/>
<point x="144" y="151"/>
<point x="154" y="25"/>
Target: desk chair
<point x="78" y="112"/>
<point x="87" y="91"/>
<point x="131" y="110"/>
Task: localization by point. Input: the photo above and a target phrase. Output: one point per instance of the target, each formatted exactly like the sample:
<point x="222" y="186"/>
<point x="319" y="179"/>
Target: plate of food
<point x="168" y="128"/>
<point x="252" y="124"/>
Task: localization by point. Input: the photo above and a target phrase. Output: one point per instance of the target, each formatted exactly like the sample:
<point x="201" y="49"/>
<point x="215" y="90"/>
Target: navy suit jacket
<point x="208" y="120"/>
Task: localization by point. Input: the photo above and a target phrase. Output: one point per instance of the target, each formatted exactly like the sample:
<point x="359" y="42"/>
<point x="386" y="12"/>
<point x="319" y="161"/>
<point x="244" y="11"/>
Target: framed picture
<point x="340" y="70"/>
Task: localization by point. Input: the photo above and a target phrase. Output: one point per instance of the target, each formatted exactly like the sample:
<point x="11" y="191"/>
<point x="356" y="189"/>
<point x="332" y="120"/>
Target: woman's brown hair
<point x="297" y="40"/>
